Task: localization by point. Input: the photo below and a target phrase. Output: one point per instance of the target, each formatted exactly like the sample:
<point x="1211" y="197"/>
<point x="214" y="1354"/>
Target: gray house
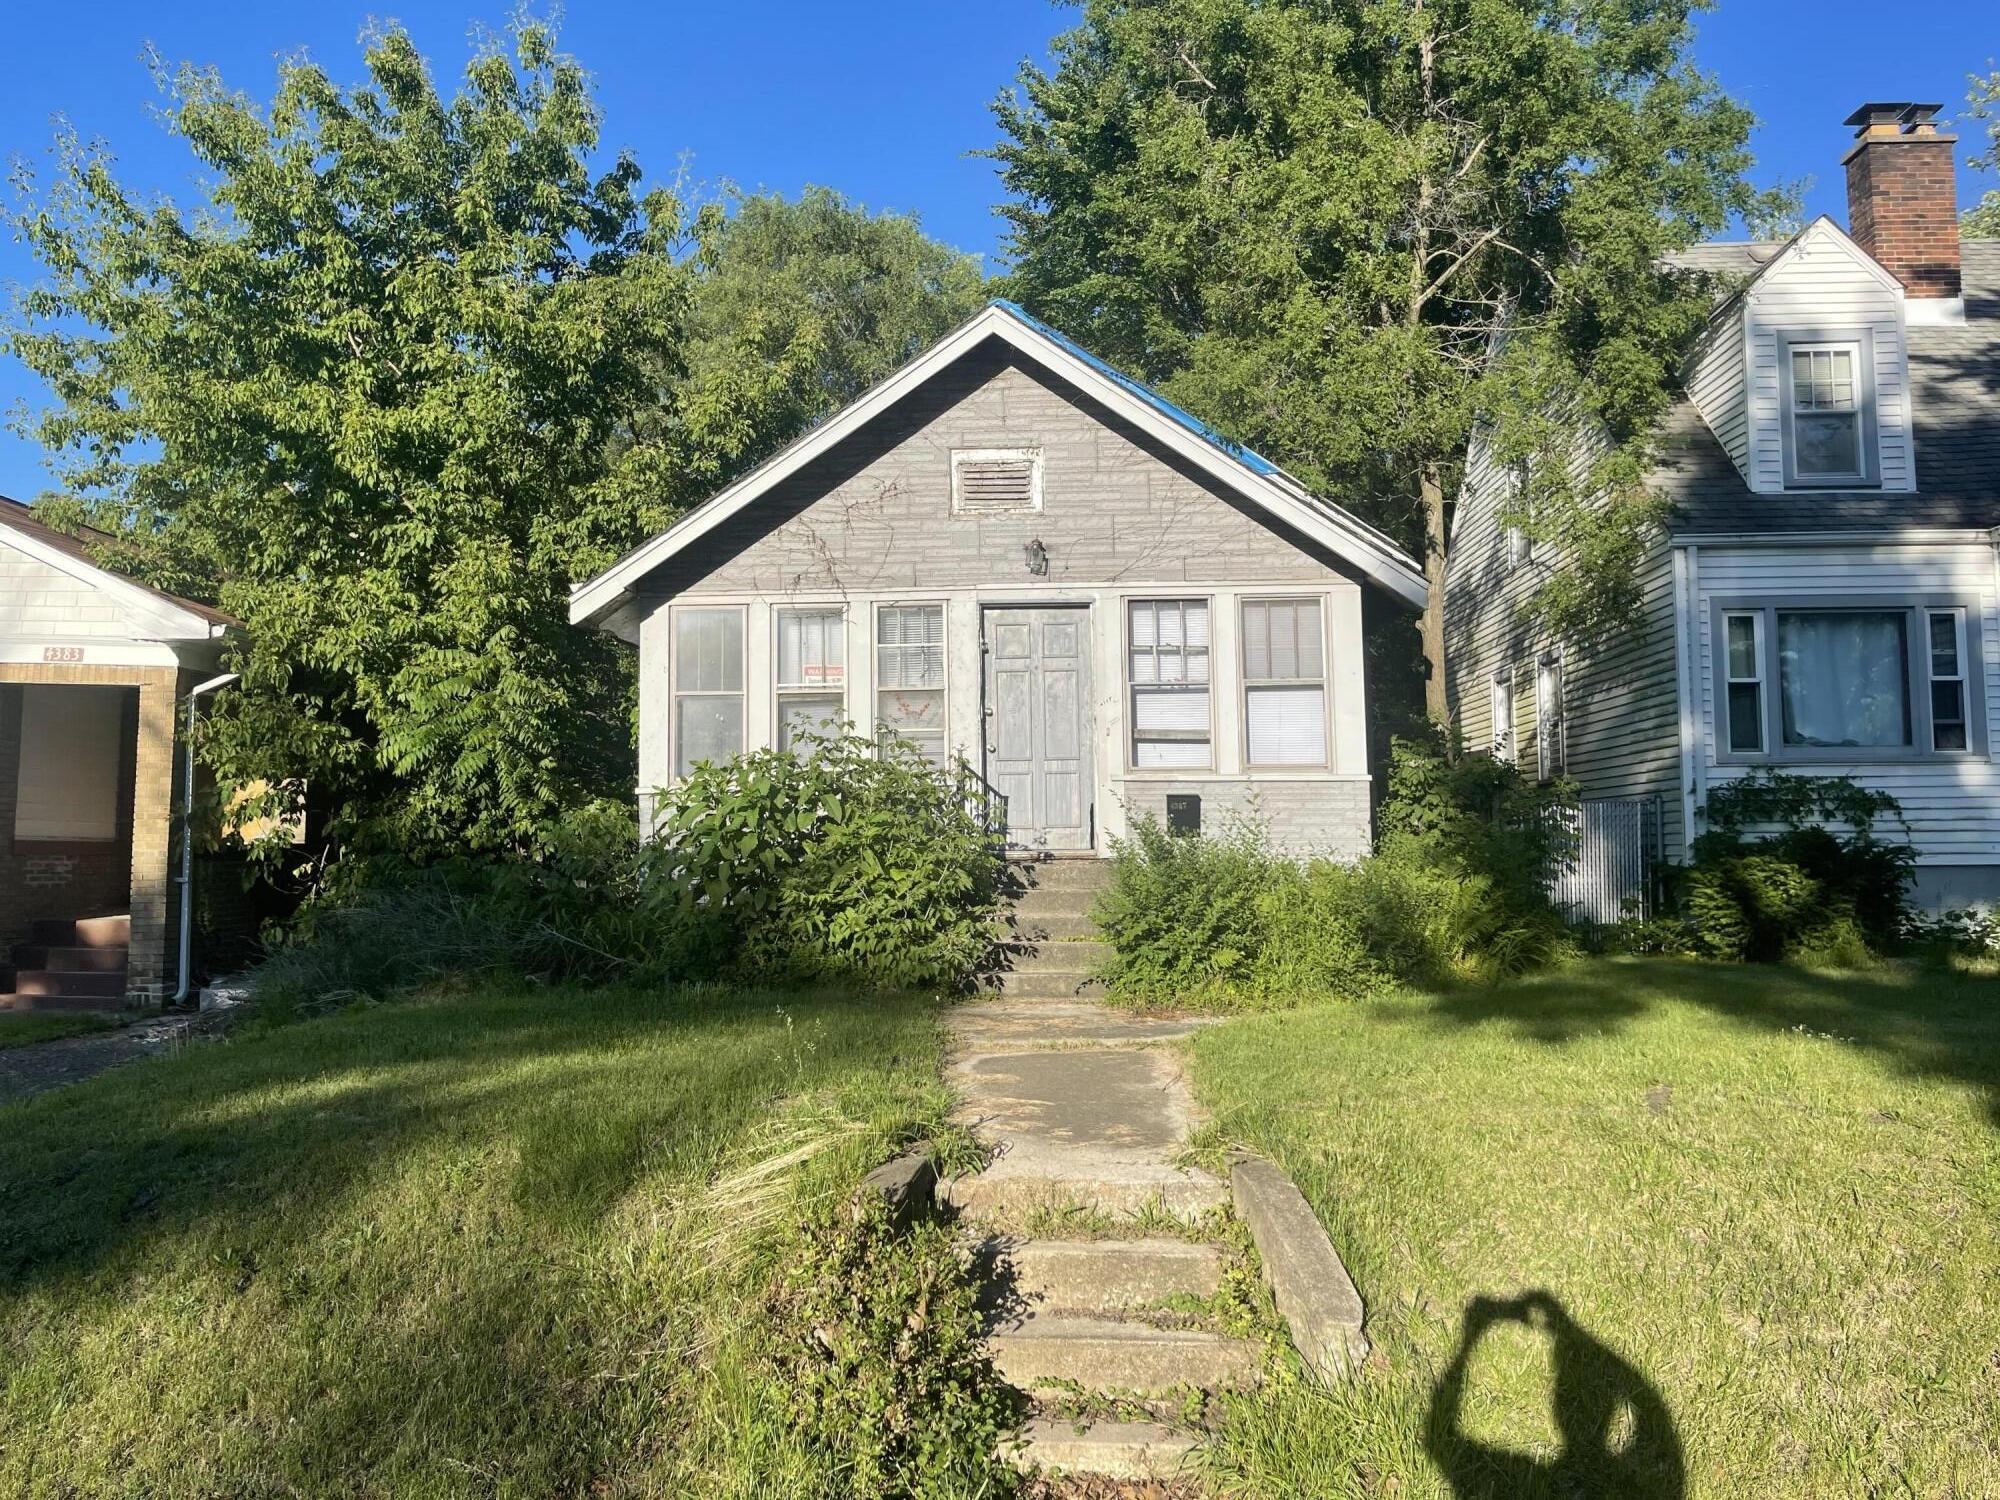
<point x="1010" y="551"/>
<point x="1824" y="600"/>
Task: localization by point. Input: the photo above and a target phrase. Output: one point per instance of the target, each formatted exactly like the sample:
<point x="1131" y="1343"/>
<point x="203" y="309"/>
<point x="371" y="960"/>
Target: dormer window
<point x="1829" y="413"/>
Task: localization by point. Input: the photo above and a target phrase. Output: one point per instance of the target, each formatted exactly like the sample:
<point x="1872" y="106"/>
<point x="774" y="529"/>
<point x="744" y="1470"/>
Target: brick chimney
<point x="1902" y="201"/>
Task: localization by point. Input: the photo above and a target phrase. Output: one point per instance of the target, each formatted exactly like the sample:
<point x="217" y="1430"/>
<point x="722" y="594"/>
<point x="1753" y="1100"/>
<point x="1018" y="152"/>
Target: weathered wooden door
<point x="1038" y="732"/>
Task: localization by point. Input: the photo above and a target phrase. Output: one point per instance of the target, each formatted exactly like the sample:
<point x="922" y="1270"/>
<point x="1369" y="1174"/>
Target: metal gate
<point x="1615" y="850"/>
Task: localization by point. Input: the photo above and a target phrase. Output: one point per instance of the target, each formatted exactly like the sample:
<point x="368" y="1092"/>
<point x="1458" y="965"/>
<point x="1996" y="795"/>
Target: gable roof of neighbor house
<point x="1252" y="476"/>
<point x="1954" y="401"/>
<point x="163" y="616"/>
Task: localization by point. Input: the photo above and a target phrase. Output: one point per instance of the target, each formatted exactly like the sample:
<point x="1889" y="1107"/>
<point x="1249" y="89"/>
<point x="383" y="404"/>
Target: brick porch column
<point x="155" y="896"/>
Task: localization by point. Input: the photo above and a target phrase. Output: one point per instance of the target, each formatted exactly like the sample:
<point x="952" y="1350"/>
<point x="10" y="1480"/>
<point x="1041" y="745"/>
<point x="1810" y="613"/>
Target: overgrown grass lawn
<point x="470" y="1245"/>
<point x="1642" y="1228"/>
<point x="19" y="1028"/>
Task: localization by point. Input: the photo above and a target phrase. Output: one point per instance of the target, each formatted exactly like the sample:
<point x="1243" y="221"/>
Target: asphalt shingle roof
<point x="1955" y="396"/>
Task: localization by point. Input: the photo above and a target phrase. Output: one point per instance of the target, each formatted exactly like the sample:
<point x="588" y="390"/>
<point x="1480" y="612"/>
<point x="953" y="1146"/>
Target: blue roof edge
<point x="1250" y="458"/>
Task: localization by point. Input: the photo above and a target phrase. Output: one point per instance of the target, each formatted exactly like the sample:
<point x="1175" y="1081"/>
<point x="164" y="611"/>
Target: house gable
<point x="52" y="593"/>
<point x="1176" y="439"/>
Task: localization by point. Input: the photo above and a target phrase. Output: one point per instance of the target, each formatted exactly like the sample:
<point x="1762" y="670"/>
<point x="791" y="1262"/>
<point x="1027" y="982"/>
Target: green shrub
<point x="878" y="1341"/>
<point x="1184" y="913"/>
<point x="1823" y="886"/>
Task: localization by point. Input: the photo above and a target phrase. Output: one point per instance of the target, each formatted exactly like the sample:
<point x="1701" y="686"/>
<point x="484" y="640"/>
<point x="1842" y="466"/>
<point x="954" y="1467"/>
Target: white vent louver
<point x="996" y="481"/>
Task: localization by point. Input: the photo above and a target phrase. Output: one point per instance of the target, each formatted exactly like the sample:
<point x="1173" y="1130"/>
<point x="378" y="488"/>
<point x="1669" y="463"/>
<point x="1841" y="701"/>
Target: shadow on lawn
<point x="1926" y="1023"/>
<point x="1617" y="1437"/>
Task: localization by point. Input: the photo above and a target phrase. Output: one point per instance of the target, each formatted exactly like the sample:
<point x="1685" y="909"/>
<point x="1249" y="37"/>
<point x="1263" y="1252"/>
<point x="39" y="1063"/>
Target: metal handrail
<point x="986" y="802"/>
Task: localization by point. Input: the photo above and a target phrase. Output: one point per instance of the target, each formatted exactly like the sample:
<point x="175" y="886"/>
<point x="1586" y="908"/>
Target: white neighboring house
<point x="1011" y="551"/>
<point x="94" y="669"/>
<point x="1827" y="599"/>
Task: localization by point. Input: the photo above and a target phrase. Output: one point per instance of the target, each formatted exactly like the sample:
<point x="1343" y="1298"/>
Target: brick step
<point x="1097" y="1276"/>
<point x="1018" y="926"/>
<point x="1047" y="984"/>
<point x="84" y="932"/>
<point x="1077" y="956"/>
<point x="94" y="960"/>
<point x="70" y="984"/>
<point x="1145" y="1452"/>
<point x="1111" y="1356"/>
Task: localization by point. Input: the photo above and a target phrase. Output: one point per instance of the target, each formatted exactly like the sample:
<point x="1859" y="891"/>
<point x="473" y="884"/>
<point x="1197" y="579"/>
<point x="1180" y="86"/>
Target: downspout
<point x="186" y="882"/>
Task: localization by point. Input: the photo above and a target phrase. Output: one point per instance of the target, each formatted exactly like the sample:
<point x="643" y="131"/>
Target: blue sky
<point x="882" y="99"/>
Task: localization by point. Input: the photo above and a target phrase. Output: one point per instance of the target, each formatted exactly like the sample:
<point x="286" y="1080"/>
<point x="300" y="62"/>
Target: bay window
<point x="910" y="676"/>
<point x="1284" y="682"/>
<point x="1875" y="681"/>
<point x="708" y="686"/>
<point x="1168" y="676"/>
<point x="811" y="672"/>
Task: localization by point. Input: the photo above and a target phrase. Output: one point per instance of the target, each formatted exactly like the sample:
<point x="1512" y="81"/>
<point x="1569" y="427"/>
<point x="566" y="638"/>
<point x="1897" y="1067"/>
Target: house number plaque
<point x="62" y="653"/>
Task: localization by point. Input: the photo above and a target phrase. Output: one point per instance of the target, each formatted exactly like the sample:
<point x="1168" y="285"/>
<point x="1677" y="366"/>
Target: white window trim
<point x="1032" y="457"/>
<point x="1131" y="699"/>
<point x="1323" y="681"/>
<point x="1963" y="677"/>
<point x="781" y="690"/>
<point x="1551" y="751"/>
<point x="1520" y="547"/>
<point x="1501" y="713"/>
<point x="676" y="693"/>
<point x="1730" y="680"/>
<point x="876" y="723"/>
<point x="1861" y="346"/>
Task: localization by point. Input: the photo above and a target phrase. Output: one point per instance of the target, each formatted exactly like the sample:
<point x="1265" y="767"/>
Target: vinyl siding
<point x="1952" y="805"/>
<point x="1623" y="735"/>
<point x="1714" y="380"/>
<point x="41" y="603"/>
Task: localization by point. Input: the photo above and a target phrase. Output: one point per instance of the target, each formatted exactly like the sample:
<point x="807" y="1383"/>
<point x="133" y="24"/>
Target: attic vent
<point x="995" y="481"/>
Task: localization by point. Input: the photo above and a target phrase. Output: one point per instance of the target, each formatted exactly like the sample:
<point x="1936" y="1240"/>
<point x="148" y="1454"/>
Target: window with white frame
<point x="1520" y="550"/>
<point x="1168" y="673"/>
<point x="1743" y="665"/>
<point x="811" y="672"/>
<point x="1550" y="759"/>
<point x="1950" y="720"/>
<point x="1828" y="400"/>
<point x="1284" y="682"/>
<point x="708" y="686"/>
<point x="1503" y="717"/>
<point x="910" y="676"/>
<point x="1869" y="681"/>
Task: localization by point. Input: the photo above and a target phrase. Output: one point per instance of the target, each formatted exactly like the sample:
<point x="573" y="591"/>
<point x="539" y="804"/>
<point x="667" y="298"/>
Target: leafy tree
<point x="362" y="399"/>
<point x="802" y="305"/>
<point x="1982" y="100"/>
<point x="1315" y="222"/>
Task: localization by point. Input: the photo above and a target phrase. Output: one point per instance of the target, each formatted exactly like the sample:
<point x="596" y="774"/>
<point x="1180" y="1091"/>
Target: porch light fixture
<point x="1037" y="557"/>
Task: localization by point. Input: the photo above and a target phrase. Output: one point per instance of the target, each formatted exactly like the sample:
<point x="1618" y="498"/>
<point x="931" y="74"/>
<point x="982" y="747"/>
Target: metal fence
<point x="1613" y="865"/>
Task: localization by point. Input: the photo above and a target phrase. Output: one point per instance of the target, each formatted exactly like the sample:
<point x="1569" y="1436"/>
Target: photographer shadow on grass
<point x="1617" y="1437"/>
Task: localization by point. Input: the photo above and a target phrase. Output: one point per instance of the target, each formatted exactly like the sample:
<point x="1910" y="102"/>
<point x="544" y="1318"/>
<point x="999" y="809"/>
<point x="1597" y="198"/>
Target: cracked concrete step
<point x="1076" y="956"/>
<point x="1100" y="1276"/>
<point x="1063" y="874"/>
<point x="1111" y="1356"/>
<point x="993" y="1195"/>
<point x="1115" y="1450"/>
<point x="1047" y="984"/>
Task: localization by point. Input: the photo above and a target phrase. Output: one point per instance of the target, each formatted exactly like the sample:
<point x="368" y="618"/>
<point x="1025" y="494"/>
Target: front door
<point x="1038" y="739"/>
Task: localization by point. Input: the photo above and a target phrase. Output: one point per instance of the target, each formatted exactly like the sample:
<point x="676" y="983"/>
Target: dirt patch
<point x="41" y="1066"/>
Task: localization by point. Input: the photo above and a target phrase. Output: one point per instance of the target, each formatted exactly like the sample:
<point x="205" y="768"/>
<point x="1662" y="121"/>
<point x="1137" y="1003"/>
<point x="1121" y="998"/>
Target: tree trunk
<point x="1436" y="703"/>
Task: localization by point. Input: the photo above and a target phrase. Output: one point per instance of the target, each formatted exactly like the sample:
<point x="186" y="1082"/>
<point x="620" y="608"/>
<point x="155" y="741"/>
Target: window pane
<point x="910" y="640"/>
<point x="1828" y="444"/>
<point x="709" y="650"/>
<point x="1746" y="716"/>
<point x="812" y="648"/>
<point x="1170" y="726"/>
<point x="818" y="713"/>
<point x="1843" y="678"/>
<point x="1948" y="715"/>
<point x="1742" y="646"/>
<point x="1287" y="726"/>
<point x="709" y="729"/>
<point x="1944" y="645"/>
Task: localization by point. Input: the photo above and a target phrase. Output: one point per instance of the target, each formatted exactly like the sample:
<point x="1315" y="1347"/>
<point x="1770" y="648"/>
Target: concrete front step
<point x="70" y="984"/>
<point x="1062" y="874"/>
<point x="1098" y="1276"/>
<point x="1058" y="956"/>
<point x="69" y="960"/>
<point x="1141" y="1451"/>
<point x="1031" y="926"/>
<point x="1110" y="1356"/>
<point x="1011" y="1197"/>
<point x="103" y="1005"/>
<point x="1003" y="1022"/>
<point x="1047" y="984"/>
